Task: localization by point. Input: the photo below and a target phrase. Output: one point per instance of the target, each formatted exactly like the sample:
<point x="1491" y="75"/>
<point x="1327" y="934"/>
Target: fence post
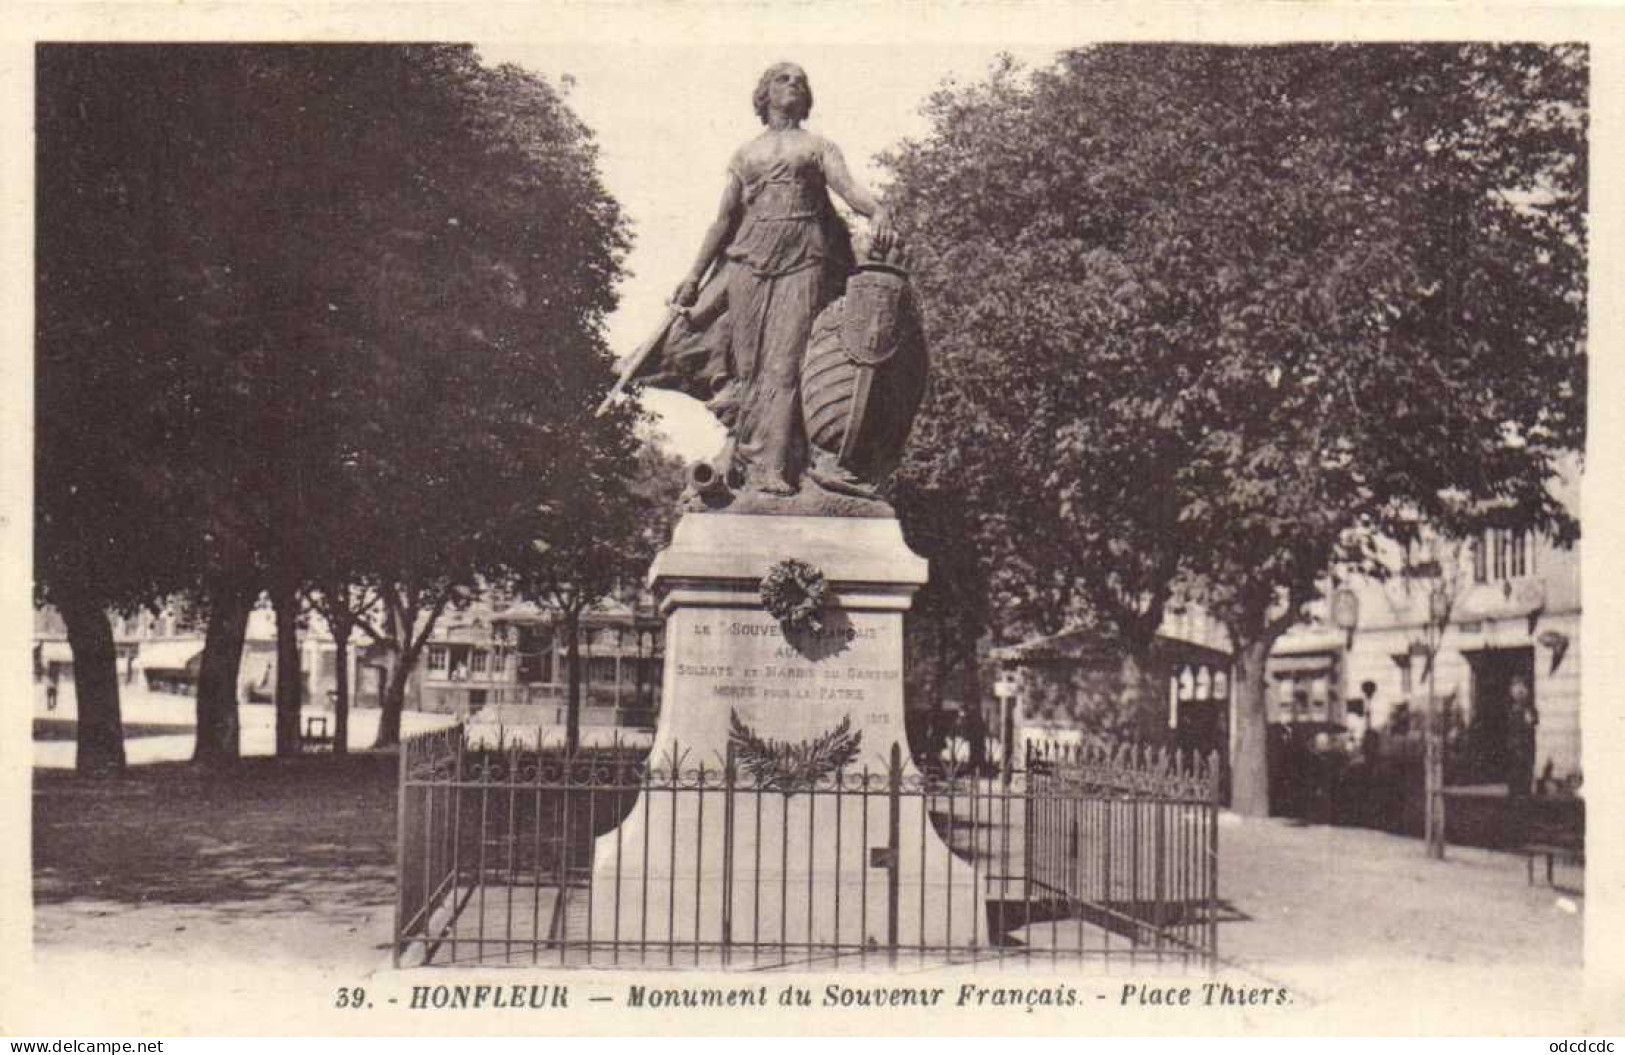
<point x="1107" y="803"/>
<point x="1159" y="880"/>
<point x="404" y="751"/>
<point x="1215" y="792"/>
<point x="728" y="779"/>
<point x="894" y="802"/>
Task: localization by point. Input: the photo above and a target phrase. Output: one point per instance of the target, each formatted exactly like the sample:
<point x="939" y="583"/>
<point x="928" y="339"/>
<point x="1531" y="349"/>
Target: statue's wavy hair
<point x="759" y="96"/>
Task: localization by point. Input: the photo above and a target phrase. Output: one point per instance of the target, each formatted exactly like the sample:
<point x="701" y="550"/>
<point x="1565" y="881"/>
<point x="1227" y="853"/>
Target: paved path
<point x="139" y="707"/>
<point x="293" y="863"/>
<point x="1349" y="917"/>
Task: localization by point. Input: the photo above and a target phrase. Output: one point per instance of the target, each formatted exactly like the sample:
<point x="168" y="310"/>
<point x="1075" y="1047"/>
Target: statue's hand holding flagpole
<point x="635" y="362"/>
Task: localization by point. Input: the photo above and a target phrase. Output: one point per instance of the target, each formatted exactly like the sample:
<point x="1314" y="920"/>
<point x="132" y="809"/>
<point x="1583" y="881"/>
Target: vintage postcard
<point x="1002" y="519"/>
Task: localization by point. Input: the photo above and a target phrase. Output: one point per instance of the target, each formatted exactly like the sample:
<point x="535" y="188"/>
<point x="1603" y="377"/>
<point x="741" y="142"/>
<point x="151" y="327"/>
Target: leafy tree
<point x="363" y="370"/>
<point x="343" y="607"/>
<point x="593" y="541"/>
<point x="949" y="619"/>
<point x="1216" y="318"/>
<point x="117" y="502"/>
<point x="657" y="487"/>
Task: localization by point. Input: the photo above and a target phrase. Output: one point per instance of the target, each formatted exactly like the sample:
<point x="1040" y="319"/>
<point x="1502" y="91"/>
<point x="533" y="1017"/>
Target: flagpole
<point x="639" y="357"/>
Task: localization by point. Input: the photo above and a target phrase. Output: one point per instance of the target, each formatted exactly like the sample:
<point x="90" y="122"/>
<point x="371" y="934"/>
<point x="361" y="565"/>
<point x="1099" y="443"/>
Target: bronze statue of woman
<point x="781" y="254"/>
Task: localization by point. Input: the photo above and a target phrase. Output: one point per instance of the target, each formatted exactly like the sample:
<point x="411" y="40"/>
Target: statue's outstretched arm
<point x="715" y="237"/>
<point x="858" y="197"/>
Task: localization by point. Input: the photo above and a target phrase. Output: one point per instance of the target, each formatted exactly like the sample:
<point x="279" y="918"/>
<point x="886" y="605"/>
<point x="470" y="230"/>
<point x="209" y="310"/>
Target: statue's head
<point x="794" y="91"/>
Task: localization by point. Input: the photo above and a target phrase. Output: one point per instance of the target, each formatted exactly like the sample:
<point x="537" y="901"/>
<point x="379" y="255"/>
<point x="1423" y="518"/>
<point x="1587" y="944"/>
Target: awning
<point x="1089" y="645"/>
<point x="1308" y="641"/>
<point x="1311" y="663"/>
<point x="168" y="655"/>
<point x="55" y="652"/>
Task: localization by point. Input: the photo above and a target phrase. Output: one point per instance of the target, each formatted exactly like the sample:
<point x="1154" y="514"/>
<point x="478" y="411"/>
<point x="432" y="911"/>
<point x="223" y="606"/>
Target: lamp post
<point x="1433" y="739"/>
<point x="1346" y="617"/>
<point x="1004" y="690"/>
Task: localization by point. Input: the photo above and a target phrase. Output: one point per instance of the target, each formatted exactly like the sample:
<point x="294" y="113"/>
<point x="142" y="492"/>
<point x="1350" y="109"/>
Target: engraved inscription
<point x="741" y="660"/>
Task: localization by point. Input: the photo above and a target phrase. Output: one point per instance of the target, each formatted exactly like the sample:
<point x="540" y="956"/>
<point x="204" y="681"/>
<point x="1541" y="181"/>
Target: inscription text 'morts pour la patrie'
<point x="765" y="665"/>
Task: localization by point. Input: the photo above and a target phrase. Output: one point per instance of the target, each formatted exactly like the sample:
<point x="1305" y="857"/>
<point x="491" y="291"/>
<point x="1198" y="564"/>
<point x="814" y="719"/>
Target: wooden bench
<point x="1556" y="832"/>
<point x="316" y="734"/>
<point x="1553" y="852"/>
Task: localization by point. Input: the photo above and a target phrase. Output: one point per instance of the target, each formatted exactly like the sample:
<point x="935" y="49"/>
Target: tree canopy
<point x="1211" y="319"/>
<point x="347" y="303"/>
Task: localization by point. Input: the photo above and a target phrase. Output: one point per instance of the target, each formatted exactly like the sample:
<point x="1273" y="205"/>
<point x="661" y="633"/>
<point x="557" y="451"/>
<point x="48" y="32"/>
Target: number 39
<point x="355" y="998"/>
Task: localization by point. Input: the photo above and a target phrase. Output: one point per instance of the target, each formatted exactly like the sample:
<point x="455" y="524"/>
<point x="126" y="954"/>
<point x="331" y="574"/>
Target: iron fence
<point x="1129" y="834"/>
<point x="608" y="857"/>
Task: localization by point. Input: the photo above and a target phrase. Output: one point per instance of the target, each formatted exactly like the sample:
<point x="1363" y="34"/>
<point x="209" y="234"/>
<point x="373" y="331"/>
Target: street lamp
<point x="1346" y="614"/>
<point x="1346" y="617"/>
<point x="1433" y="740"/>
<point x="1004" y="690"/>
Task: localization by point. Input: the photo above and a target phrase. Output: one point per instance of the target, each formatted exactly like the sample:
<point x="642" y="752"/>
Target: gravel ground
<point x="1349" y="918"/>
<point x="283" y="860"/>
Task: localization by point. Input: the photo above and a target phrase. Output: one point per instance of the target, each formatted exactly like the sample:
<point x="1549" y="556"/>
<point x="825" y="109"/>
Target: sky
<point x="667" y="118"/>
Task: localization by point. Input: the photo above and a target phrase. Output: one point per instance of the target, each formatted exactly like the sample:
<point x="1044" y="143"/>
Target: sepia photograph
<point x="745" y="520"/>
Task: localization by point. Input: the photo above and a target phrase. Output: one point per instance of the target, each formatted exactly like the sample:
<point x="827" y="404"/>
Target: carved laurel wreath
<point x="789" y="767"/>
<point x="793" y="592"/>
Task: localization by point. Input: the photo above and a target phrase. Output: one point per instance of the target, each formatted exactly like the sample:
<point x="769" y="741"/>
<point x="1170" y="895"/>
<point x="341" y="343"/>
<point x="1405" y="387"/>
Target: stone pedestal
<point x="709" y="865"/>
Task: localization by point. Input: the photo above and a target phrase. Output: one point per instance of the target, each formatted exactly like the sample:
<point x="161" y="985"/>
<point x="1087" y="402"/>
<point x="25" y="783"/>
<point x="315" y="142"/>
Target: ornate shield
<point x="869" y="323"/>
<point x="862" y="380"/>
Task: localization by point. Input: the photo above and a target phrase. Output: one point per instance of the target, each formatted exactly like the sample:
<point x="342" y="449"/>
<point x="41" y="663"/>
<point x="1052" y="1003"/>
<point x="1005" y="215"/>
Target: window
<point x="437" y="657"/>
<point x="1501" y="554"/>
<point x="477" y="661"/>
<point x="499" y="661"/>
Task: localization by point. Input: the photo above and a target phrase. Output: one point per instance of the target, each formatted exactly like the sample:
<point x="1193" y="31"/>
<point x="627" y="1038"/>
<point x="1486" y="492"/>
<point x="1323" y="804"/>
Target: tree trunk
<point x="1249" y="765"/>
<point x="1142" y="716"/>
<point x="405" y="646"/>
<point x="976" y="730"/>
<point x="1131" y="696"/>
<point x="572" y="700"/>
<point x="637" y="669"/>
<point x="100" y="729"/>
<point x="289" y="691"/>
<point x="936" y="735"/>
<point x="341" y="689"/>
<point x="217" y="725"/>
<point x="393" y="699"/>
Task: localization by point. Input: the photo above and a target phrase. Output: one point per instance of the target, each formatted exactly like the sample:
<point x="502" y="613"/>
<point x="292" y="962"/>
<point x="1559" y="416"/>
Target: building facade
<point x="1491" y="611"/>
<point x="1070" y="687"/>
<point x="508" y="663"/>
<point x="159" y="652"/>
<point x="498" y="659"/>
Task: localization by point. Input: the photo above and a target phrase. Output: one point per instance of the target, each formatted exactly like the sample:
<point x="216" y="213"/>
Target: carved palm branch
<point x="789" y="767"/>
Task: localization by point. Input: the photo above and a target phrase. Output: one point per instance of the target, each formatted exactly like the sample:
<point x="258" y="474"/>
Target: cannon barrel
<point x="706" y="481"/>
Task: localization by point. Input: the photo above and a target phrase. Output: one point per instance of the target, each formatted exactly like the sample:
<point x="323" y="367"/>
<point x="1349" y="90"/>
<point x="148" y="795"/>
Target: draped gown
<point x="788" y="259"/>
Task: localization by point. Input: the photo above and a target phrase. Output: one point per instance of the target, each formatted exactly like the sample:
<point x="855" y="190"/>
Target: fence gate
<point x="606" y="858"/>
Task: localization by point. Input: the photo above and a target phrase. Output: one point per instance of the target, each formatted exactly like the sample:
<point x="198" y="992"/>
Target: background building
<point x="495" y="661"/>
<point x="1505" y="606"/>
<point x="1069" y="686"/>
